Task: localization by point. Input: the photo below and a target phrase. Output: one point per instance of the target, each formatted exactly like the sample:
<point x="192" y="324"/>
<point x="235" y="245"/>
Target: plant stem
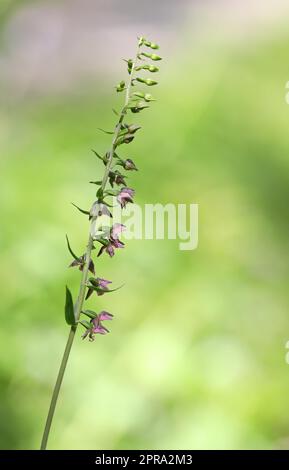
<point x="57" y="387"/>
<point x="118" y="126"/>
<point x="82" y="288"/>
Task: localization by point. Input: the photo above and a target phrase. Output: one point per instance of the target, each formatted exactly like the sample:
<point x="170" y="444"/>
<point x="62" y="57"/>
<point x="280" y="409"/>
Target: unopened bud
<point x="133" y="128"/>
<point x="129" y="165"/>
<point x="147" y="81"/>
<point x="151" y="56"/>
<point x="149" y="97"/>
<point x="155" y="57"/>
<point x="125" y="139"/>
<point x="141" y="105"/>
<point x="139" y="94"/>
<point x="141" y="41"/>
<point x="152" y="45"/>
<point x="120" y="86"/>
<point x="153" y="68"/>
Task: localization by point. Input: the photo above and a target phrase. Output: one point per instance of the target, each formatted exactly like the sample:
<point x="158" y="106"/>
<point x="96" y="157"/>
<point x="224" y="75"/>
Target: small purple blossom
<point x="116" y="230"/>
<point x="96" y="325"/>
<point x="110" y="247"/>
<point x="98" y="285"/>
<point x="124" y="196"/>
<point x="113" y="242"/>
<point x="103" y="315"/>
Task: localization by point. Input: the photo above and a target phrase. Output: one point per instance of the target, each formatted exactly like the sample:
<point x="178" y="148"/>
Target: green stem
<point x="57" y="387"/>
<point x="82" y="288"/>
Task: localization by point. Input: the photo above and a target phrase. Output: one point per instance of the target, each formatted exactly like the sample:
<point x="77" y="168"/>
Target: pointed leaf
<point x="106" y="132"/>
<point x="85" y="323"/>
<point x="80" y="210"/>
<point x="70" y="250"/>
<point x="89" y="313"/>
<point x="97" y="154"/>
<point x="69" y="309"/>
<point x="99" y="194"/>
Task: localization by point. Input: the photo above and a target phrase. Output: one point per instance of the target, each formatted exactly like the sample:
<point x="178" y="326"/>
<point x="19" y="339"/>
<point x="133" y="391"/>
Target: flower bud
<point x="155" y="57"/>
<point x="147" y="81"/>
<point x="149" y="97"/>
<point x="151" y="56"/>
<point x="139" y="94"/>
<point x="133" y="128"/>
<point x="125" y="139"/>
<point x="129" y="165"/>
<point x="129" y="66"/>
<point x="153" y="68"/>
<point x="120" y="86"/>
<point x="141" y="41"/>
<point x="152" y="45"/>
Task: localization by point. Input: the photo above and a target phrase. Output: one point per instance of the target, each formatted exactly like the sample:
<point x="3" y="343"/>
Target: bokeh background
<point x="196" y="354"/>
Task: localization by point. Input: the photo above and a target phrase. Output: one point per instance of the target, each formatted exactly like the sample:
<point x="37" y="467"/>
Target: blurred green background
<point x="196" y="354"/>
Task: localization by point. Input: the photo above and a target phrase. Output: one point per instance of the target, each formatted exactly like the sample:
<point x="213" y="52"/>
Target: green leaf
<point x="89" y="313"/>
<point x="99" y="194"/>
<point x="98" y="183"/>
<point x="85" y="323"/>
<point x="70" y="250"/>
<point x="81" y="210"/>
<point x="112" y="192"/>
<point x="99" y="289"/>
<point x="69" y="309"/>
<point x="106" y="132"/>
<point x="97" y="154"/>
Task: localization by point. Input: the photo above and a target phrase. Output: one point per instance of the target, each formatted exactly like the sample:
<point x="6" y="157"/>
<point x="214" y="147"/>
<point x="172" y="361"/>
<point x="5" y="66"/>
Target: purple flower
<point x="116" y="230"/>
<point x="129" y="165"/>
<point x="98" y="285"/>
<point x="103" y="315"/>
<point x="113" y="242"/>
<point x="98" y="209"/>
<point x="124" y="196"/>
<point x="110" y="247"/>
<point x="96" y="325"/>
<point x="81" y="262"/>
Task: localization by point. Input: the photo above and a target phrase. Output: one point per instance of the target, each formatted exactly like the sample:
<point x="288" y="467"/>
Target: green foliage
<point x="69" y="308"/>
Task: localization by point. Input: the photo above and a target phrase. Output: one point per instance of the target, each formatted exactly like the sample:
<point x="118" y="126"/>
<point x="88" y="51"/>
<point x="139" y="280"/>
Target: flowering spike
<point x="108" y="237"/>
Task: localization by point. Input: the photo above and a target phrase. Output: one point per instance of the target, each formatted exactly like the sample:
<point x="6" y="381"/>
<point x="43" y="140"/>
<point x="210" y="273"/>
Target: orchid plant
<point x="108" y="238"/>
